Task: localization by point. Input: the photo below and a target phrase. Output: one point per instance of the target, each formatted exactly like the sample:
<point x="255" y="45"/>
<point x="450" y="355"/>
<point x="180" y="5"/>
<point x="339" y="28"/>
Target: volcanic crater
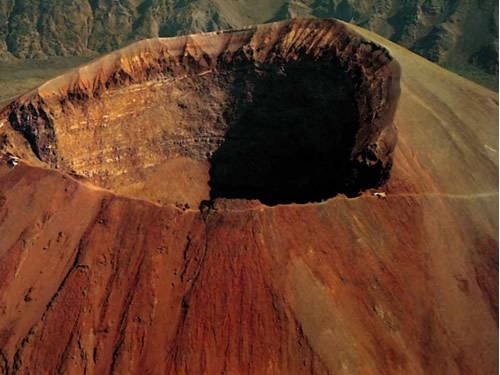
<point x="98" y="283"/>
<point x="290" y="112"/>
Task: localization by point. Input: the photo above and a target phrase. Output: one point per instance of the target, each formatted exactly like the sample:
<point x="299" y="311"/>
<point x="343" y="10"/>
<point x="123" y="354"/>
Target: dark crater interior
<point x="291" y="130"/>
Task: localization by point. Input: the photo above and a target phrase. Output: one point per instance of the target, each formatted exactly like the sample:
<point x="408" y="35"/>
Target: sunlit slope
<point x="448" y="129"/>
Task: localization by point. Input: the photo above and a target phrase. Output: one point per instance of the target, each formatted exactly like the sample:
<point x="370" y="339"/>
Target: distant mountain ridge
<point x="444" y="31"/>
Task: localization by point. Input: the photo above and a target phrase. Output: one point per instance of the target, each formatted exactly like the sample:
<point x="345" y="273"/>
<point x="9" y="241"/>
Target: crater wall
<point x="296" y="111"/>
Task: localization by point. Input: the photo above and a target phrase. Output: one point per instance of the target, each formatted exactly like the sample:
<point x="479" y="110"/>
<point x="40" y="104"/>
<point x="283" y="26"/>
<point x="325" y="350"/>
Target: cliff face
<point x="445" y="31"/>
<point x="98" y="282"/>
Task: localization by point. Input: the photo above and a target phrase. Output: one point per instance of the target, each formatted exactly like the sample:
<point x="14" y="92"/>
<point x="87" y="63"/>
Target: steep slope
<point x="445" y="31"/>
<point x="101" y="283"/>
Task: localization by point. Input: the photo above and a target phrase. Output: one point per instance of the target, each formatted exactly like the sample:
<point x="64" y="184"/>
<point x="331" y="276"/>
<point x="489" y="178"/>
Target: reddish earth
<point x="171" y="213"/>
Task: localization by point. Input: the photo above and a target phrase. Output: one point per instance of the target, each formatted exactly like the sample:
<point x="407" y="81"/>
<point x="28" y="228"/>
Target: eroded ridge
<point x="295" y="111"/>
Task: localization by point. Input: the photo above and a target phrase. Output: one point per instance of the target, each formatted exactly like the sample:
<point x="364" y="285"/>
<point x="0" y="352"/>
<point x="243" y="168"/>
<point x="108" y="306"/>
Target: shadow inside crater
<point x="291" y="130"/>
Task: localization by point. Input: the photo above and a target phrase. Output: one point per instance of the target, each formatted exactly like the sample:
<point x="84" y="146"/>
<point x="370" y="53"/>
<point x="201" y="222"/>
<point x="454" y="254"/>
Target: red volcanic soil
<point x="205" y="205"/>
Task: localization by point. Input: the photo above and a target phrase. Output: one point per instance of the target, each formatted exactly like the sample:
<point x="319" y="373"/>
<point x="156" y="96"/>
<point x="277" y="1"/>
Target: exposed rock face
<point x="94" y="282"/>
<point x="291" y="112"/>
<point x="449" y="31"/>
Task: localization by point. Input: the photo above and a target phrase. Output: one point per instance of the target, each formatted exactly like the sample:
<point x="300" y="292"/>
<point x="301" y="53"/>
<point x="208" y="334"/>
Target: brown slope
<point x="405" y="284"/>
<point x="446" y="128"/>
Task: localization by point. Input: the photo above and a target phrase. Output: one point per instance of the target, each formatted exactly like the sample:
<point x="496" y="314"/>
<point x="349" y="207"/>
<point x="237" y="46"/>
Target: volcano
<point x="272" y="200"/>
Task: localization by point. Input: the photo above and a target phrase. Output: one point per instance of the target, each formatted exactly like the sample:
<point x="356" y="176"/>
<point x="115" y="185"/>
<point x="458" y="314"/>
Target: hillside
<point x="135" y="239"/>
<point x="445" y="31"/>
